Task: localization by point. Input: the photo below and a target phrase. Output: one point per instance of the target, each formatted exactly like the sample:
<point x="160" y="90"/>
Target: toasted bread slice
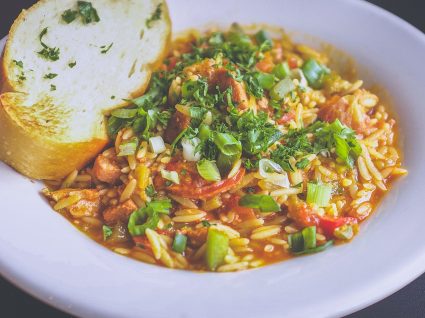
<point x="60" y="79"/>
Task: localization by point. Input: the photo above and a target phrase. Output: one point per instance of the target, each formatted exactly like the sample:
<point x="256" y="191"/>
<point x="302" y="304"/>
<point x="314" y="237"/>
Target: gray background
<point x="408" y="302"/>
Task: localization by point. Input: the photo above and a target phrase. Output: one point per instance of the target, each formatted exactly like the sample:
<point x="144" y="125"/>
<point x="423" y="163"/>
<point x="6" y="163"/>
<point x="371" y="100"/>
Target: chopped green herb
<point x="112" y="97"/>
<point x="52" y="87"/>
<point x="19" y="63"/>
<point x="150" y="191"/>
<point x="50" y="76"/>
<point x="49" y="53"/>
<point x="205" y="223"/>
<point x="156" y="15"/>
<point x="106" y="48"/>
<point x="87" y="12"/>
<point x="69" y="15"/>
<point x="72" y="64"/>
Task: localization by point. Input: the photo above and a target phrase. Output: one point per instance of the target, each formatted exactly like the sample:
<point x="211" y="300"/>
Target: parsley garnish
<point x="50" y="76"/>
<point x="19" y="63"/>
<point x="21" y="74"/>
<point x="48" y="52"/>
<point x="156" y="15"/>
<point x="87" y="12"/>
<point x="52" y="87"/>
<point x="106" y="48"/>
<point x="69" y="15"/>
<point x="150" y="191"/>
<point x="72" y="64"/>
<point x="205" y="223"/>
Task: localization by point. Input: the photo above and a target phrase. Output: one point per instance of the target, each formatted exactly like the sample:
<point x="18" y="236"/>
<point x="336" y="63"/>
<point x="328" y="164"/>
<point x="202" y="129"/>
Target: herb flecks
<point x="69" y="15"/>
<point x="21" y="74"/>
<point x="50" y="76"/>
<point x="85" y="10"/>
<point x="106" y="48"/>
<point x="72" y="64"/>
<point x="49" y="53"/>
<point x="52" y="87"/>
<point x="156" y="15"/>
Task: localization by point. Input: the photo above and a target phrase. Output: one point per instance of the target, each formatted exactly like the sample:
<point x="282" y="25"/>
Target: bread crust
<point x="40" y="156"/>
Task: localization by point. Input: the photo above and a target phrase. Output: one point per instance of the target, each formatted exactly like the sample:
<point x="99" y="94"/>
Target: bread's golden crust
<point x="36" y="155"/>
<point x="42" y="158"/>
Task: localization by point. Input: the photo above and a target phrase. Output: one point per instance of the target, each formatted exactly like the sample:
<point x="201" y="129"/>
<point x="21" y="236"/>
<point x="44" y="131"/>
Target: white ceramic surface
<point x="43" y="254"/>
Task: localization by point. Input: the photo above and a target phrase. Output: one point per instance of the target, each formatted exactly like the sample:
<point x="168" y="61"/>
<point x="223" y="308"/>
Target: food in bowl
<point x="244" y="151"/>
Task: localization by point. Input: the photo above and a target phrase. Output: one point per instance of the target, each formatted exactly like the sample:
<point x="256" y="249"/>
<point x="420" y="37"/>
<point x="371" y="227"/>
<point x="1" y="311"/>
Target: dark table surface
<point x="408" y="302"/>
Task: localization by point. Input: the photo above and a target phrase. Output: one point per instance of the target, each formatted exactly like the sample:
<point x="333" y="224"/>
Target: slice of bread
<point x="60" y="79"/>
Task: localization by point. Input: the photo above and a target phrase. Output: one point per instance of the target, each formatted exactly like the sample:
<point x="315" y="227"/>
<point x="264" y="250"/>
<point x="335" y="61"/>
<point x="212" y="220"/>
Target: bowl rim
<point x="406" y="273"/>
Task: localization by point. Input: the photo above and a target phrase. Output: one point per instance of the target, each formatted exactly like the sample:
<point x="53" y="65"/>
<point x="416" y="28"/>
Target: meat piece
<point x="301" y="213"/>
<point x="106" y="169"/>
<point x="197" y="236"/>
<point x="219" y="76"/>
<point x="87" y="205"/>
<point x="177" y="123"/>
<point x="121" y="212"/>
<point x="350" y="115"/>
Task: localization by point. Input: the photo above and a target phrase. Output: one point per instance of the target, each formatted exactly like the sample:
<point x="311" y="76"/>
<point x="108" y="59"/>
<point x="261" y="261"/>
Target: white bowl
<point x="46" y="256"/>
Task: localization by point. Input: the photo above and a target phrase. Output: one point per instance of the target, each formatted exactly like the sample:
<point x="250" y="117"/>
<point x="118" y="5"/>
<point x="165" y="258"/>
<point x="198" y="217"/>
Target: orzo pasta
<point x="245" y="150"/>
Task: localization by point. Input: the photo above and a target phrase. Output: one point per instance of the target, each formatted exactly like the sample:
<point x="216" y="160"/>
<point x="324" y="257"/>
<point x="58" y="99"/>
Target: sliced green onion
<point x="282" y="70"/>
<point x="225" y="163"/>
<point x="189" y="149"/>
<point x="188" y="88"/>
<point x="282" y="88"/>
<point x="319" y="194"/>
<point x="170" y="176"/>
<point x="304" y="242"/>
<point x="147" y="217"/>
<point x="128" y="147"/>
<point x="227" y="144"/>
<point x="208" y="170"/>
<point x="179" y="136"/>
<point x="264" y="203"/>
<point x="316" y="249"/>
<point x="179" y="243"/>
<point x="309" y="235"/>
<point x="217" y="248"/>
<point x="296" y="242"/>
<point x="204" y="132"/>
<point x="314" y="73"/>
<point x="124" y="113"/>
<point x="273" y="173"/>
<point x="107" y="232"/>
<point x="266" y="80"/>
<point x="157" y="144"/>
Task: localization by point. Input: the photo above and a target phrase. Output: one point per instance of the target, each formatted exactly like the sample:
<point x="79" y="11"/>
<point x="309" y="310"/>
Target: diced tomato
<point x="328" y="224"/>
<point x="292" y="62"/>
<point x="302" y="214"/>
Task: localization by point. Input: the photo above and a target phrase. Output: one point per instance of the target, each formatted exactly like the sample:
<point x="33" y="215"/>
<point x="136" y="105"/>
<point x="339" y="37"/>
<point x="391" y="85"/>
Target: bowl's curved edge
<point x="406" y="275"/>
